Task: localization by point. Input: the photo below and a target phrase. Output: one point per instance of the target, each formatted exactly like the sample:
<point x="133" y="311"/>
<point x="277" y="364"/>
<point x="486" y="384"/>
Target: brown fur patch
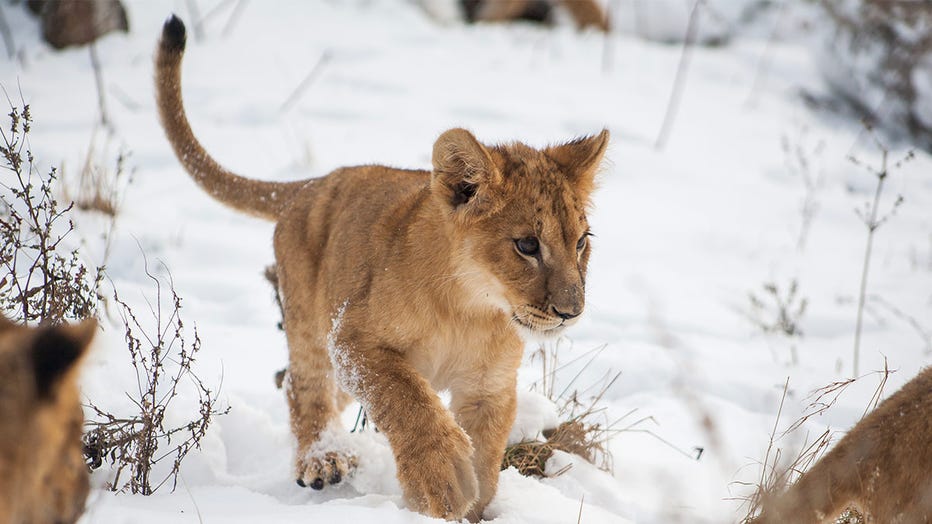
<point x="882" y="467"/>
<point x="42" y="473"/>
<point x="586" y="13"/>
<point x="396" y="284"/>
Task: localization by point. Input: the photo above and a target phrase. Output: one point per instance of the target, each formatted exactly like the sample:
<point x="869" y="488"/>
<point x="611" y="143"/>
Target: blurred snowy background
<point x="730" y="235"/>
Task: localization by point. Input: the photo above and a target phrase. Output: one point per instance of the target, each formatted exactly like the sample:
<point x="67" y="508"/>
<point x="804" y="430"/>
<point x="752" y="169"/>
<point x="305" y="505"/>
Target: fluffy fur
<point x="42" y="473"/>
<point x="882" y="467"/>
<point x="396" y="284"/>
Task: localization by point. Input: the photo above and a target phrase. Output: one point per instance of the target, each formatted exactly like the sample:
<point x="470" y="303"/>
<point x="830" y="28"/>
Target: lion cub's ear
<point x="580" y="159"/>
<point x="54" y="351"/>
<point x="464" y="172"/>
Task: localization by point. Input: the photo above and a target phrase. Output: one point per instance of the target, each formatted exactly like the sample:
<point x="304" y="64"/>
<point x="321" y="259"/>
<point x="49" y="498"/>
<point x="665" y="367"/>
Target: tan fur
<point x="586" y="13"/>
<point x="43" y="478"/>
<point x="882" y="467"/>
<point x="396" y="284"/>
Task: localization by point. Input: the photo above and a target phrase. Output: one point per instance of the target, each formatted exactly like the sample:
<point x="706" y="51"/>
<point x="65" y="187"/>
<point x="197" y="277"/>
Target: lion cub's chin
<point x="540" y="334"/>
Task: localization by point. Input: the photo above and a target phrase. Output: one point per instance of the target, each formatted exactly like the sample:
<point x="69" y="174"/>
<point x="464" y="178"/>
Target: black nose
<point x="564" y="316"/>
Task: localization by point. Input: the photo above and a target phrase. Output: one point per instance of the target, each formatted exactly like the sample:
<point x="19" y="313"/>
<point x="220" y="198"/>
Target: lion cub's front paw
<point x="318" y="471"/>
<point x="438" y="478"/>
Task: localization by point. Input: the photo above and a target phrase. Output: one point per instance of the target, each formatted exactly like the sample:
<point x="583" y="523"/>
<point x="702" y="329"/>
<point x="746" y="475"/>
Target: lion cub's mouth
<point x="538" y="322"/>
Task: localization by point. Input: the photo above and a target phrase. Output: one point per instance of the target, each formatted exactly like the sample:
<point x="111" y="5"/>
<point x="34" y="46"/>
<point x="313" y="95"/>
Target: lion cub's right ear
<point x="55" y="351"/>
<point x="464" y="172"/>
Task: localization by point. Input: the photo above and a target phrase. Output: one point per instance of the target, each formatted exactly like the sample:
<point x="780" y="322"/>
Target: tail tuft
<point x="173" y="34"/>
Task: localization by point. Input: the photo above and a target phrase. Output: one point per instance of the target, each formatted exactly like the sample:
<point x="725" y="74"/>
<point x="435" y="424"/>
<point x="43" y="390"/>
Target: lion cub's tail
<point x="263" y="199"/>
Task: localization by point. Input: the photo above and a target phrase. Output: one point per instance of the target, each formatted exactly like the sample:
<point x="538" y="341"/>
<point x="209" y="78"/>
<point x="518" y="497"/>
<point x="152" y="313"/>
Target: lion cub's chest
<point x="470" y="351"/>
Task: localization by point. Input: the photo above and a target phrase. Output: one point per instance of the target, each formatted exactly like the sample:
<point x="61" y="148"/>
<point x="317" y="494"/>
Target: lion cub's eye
<point x="582" y="242"/>
<point x="528" y="246"/>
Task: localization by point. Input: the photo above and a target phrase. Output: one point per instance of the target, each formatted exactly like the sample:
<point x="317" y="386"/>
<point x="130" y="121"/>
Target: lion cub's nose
<point x="566" y="316"/>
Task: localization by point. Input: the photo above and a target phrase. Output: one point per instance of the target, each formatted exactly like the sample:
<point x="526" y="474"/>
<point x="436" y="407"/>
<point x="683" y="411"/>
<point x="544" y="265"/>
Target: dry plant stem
<point x="773" y="432"/>
<point x="234" y="18"/>
<point x="196" y="20"/>
<point x="214" y="11"/>
<point x="924" y="333"/>
<point x="578" y="434"/>
<point x="99" y="80"/>
<point x="162" y="360"/>
<point x="43" y="282"/>
<point x="679" y="82"/>
<point x="763" y="65"/>
<point x="7" y="36"/>
<point x="608" y="44"/>
<point x="306" y="83"/>
<point x="872" y="225"/>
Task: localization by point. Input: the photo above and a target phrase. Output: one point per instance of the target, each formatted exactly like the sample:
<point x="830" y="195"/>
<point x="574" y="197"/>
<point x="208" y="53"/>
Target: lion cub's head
<point x="518" y="217"/>
<point x="43" y="477"/>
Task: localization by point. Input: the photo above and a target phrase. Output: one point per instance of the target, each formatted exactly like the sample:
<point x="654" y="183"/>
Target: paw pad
<point x="329" y="469"/>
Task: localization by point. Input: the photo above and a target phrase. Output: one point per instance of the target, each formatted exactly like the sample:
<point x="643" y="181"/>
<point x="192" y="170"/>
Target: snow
<point x="683" y="234"/>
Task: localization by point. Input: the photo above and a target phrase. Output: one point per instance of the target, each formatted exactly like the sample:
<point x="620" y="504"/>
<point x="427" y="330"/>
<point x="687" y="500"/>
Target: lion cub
<point x="43" y="478"/>
<point x="882" y="467"/>
<point x="396" y="284"/>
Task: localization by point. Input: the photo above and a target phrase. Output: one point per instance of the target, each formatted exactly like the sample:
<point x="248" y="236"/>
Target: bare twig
<point x="162" y="359"/>
<point x="196" y="20"/>
<point x="234" y="18"/>
<point x="872" y="221"/>
<point x="924" y="333"/>
<point x="679" y="81"/>
<point x="7" y="36"/>
<point x="763" y="64"/>
<point x="214" y="11"/>
<point x="99" y="80"/>
<point x="41" y="281"/>
<point x="608" y="37"/>
<point x="308" y="80"/>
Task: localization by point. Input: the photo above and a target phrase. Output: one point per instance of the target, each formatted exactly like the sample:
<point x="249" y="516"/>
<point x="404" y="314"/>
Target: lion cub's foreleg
<point x="487" y="415"/>
<point x="432" y="453"/>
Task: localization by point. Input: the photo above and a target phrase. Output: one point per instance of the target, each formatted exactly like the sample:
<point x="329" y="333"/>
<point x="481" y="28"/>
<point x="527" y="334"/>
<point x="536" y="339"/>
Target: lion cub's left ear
<point x="464" y="172"/>
<point x="55" y="351"/>
<point x="580" y="159"/>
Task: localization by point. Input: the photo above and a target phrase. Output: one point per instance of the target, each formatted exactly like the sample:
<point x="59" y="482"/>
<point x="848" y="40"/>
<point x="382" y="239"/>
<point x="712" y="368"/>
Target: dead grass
<point x="99" y="188"/>
<point x="585" y="430"/>
<point x="778" y="470"/>
<point x="573" y="436"/>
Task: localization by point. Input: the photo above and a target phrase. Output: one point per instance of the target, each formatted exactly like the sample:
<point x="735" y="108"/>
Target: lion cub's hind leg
<point x="314" y="400"/>
<point x="314" y="403"/>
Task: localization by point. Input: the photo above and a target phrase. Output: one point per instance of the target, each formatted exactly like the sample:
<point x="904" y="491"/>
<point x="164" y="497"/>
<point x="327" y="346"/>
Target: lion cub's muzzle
<point x="543" y="322"/>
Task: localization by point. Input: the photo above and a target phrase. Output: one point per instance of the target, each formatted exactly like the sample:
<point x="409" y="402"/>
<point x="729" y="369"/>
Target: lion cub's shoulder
<point x="42" y="473"/>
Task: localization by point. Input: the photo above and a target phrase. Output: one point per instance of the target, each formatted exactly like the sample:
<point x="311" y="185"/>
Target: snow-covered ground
<point x="683" y="234"/>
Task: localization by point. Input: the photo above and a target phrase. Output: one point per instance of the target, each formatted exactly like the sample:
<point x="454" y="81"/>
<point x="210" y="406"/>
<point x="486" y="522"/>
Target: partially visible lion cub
<point x="882" y="467"/>
<point x="43" y="478"/>
<point x="397" y="284"/>
<point x="586" y="13"/>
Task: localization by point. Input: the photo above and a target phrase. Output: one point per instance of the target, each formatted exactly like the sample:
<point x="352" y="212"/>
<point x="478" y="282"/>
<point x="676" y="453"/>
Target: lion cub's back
<point x="338" y="226"/>
<point x="353" y="202"/>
